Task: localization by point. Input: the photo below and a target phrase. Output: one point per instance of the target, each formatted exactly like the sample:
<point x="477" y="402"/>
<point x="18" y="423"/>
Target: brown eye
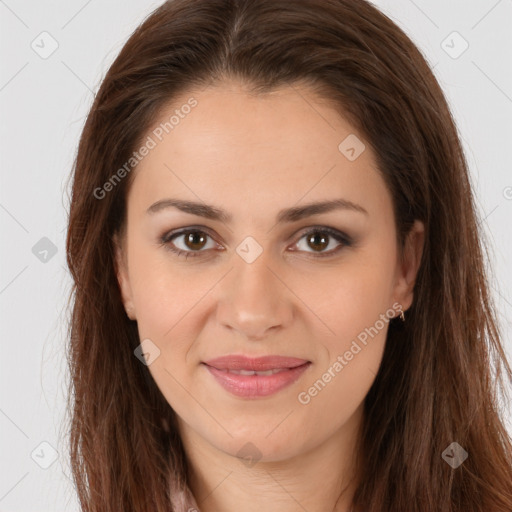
<point x="190" y="242"/>
<point x="195" y="240"/>
<point x="319" y="239"/>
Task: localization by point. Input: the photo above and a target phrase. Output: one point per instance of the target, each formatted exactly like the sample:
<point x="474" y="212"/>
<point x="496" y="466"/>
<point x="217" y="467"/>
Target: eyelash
<point x="344" y="239"/>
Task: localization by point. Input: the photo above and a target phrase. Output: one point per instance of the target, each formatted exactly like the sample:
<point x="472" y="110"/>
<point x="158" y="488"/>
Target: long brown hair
<point x="436" y="383"/>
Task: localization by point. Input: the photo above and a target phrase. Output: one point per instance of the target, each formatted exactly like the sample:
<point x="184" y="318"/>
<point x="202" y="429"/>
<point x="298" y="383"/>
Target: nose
<point x="254" y="300"/>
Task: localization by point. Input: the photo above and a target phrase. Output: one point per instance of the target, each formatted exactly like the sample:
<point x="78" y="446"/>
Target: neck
<point x="319" y="480"/>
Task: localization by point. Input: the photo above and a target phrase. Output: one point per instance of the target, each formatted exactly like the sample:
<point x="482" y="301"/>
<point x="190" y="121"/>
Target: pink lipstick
<point x="248" y="377"/>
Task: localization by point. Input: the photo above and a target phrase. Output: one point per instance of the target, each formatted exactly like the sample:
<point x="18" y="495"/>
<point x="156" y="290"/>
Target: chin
<point x="259" y="447"/>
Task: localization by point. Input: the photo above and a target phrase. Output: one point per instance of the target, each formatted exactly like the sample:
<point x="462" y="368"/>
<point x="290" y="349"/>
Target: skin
<point x="281" y="152"/>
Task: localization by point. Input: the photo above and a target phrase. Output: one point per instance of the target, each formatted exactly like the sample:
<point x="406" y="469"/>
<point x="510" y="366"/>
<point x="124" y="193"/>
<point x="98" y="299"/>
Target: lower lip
<point x="253" y="386"/>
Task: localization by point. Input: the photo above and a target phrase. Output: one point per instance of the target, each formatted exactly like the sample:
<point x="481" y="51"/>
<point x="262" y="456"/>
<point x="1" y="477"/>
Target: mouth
<point x="256" y="377"/>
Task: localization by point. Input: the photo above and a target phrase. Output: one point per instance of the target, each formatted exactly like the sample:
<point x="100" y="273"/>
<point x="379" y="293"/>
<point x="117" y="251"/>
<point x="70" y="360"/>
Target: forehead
<point x="226" y="144"/>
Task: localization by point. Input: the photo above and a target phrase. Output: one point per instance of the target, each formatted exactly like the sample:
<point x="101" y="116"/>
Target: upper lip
<point x="240" y="362"/>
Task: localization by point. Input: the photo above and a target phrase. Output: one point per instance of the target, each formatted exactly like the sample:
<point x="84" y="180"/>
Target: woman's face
<point x="262" y="273"/>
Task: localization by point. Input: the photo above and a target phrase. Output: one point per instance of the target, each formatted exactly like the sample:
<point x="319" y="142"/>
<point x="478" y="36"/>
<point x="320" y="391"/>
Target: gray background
<point x="44" y="100"/>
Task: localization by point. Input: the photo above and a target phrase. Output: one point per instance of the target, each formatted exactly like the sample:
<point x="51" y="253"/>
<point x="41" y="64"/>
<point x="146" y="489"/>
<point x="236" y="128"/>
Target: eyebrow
<point x="286" y="215"/>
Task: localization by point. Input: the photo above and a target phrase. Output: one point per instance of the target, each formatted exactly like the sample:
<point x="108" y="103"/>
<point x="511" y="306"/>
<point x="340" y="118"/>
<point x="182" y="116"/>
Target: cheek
<point x="170" y="301"/>
<point x="359" y="314"/>
<point x="352" y="295"/>
<point x="162" y="294"/>
<point x="357" y="310"/>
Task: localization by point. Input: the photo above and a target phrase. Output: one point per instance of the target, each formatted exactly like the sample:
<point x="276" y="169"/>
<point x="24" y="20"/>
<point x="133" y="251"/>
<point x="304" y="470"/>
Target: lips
<point x="247" y="377"/>
<point x="258" y="364"/>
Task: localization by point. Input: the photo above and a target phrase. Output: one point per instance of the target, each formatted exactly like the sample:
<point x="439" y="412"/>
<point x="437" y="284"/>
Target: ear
<point x="409" y="264"/>
<point x="122" y="276"/>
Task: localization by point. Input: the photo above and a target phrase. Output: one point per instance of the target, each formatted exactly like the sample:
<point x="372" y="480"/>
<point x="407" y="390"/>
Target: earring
<point x="402" y="316"/>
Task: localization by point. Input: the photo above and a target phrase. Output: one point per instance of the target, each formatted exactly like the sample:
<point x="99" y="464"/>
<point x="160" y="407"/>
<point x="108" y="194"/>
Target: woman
<point x="280" y="300"/>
